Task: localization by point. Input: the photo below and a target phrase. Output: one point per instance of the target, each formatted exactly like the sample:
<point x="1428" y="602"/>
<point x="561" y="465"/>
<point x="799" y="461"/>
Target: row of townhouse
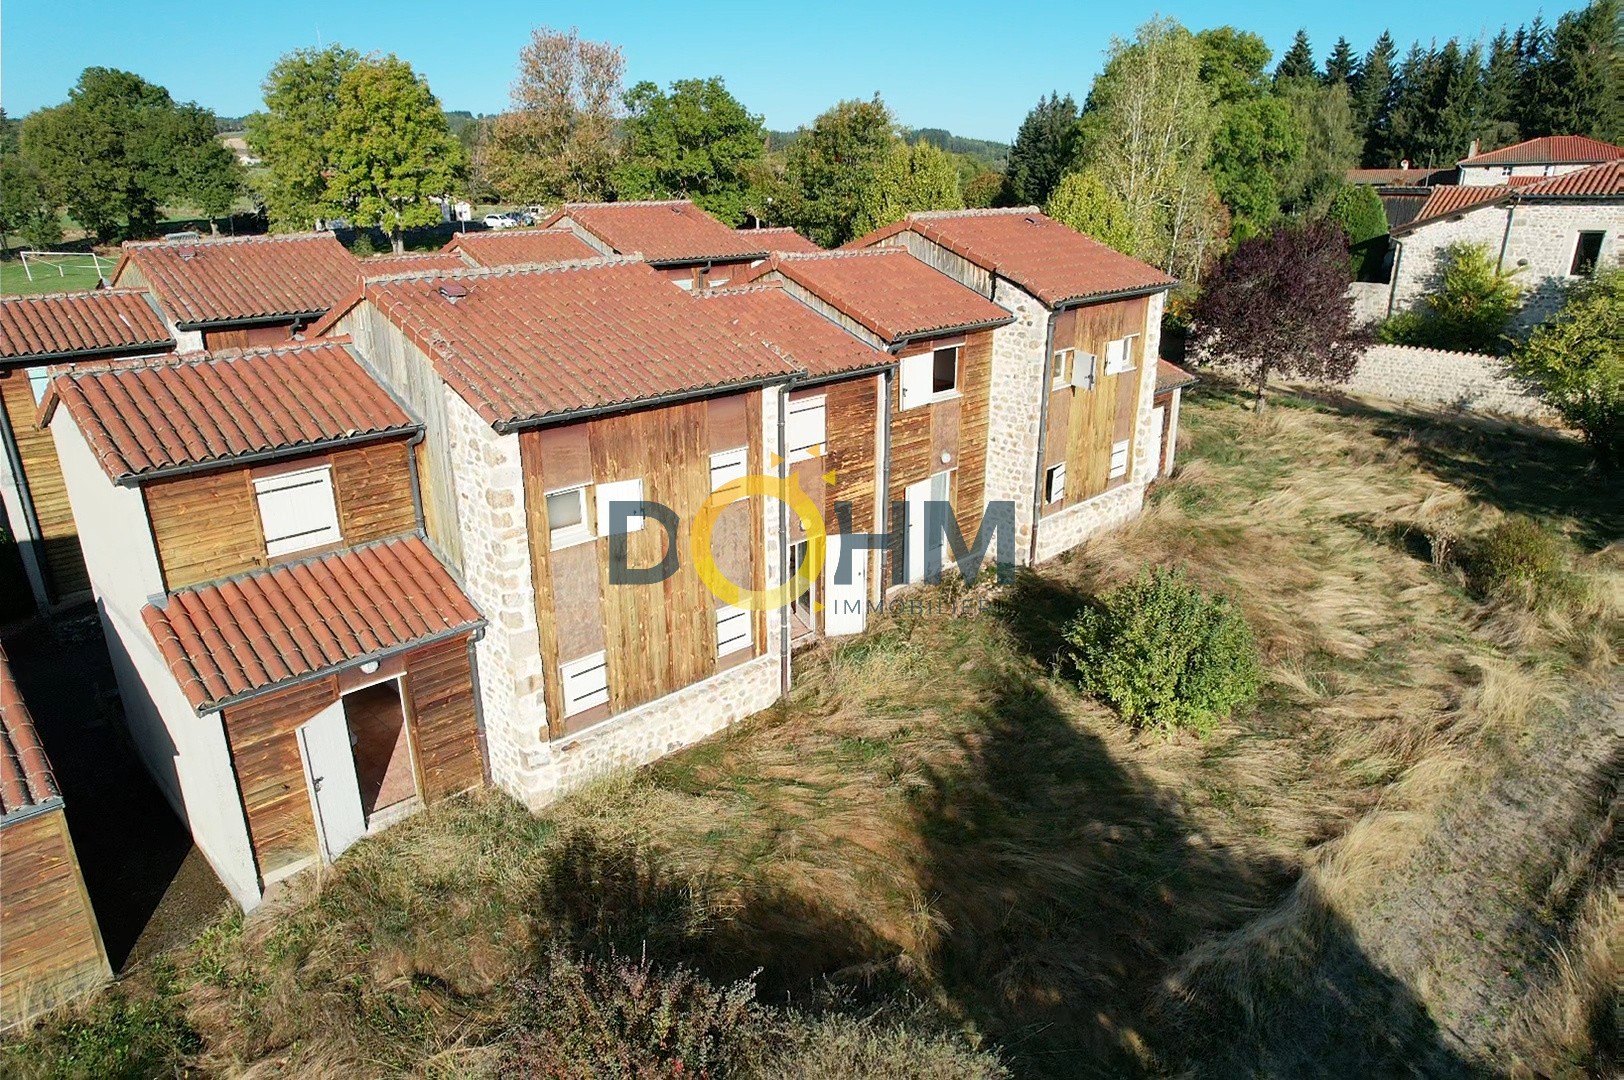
<point x="474" y="520"/>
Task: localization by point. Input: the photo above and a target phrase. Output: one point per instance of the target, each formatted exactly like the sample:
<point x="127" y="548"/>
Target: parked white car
<point x="499" y="221"/>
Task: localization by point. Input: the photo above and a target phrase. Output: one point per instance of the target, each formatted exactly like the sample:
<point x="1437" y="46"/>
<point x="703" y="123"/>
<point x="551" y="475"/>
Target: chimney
<point x="1405" y="164"/>
<point x="1476" y="145"/>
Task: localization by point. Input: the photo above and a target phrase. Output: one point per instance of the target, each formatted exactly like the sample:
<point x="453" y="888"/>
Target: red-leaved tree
<point x="1278" y="304"/>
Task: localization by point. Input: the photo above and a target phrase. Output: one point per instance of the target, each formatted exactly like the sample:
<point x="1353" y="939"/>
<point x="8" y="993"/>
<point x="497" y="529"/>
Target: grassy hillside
<point x="937" y="858"/>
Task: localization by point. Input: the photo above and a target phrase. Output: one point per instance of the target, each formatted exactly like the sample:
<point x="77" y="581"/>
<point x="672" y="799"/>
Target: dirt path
<point x="1470" y="923"/>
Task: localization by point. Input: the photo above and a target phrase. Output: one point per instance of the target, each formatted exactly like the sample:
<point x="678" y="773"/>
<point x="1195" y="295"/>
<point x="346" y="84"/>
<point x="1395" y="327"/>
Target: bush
<point x="1357" y="210"/>
<point x="1576" y="362"/>
<point x="1163" y="654"/>
<point x="1467" y="308"/>
<point x="1521" y="561"/>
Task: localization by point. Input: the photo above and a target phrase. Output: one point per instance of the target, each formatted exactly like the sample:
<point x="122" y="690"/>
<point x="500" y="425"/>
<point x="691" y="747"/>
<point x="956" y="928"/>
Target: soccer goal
<point x="58" y="263"/>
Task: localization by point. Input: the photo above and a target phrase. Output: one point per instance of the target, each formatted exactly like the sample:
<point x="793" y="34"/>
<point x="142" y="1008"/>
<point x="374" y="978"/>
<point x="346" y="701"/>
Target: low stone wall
<point x="1451" y="380"/>
<point x="1369" y="301"/>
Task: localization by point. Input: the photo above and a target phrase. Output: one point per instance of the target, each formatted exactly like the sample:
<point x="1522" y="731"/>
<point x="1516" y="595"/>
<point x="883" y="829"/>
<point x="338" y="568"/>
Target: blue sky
<point x="974" y="68"/>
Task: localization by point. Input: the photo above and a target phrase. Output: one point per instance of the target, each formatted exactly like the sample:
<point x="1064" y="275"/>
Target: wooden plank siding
<point x="52" y="948"/>
<point x="59" y="536"/>
<point x="1085" y="423"/>
<point x="263" y="736"/>
<point x="246" y="337"/>
<point x="206" y="525"/>
<point x="660" y="636"/>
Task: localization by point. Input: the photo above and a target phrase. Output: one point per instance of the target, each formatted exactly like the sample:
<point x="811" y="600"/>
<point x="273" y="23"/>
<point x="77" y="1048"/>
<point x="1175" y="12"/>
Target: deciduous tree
<point x="1084" y="201"/>
<point x="697" y="142"/>
<point x="908" y="178"/>
<point x="293" y="135"/>
<point x="1044" y="148"/>
<point x="1357" y="211"/>
<point x="831" y="165"/>
<point x="1278" y="304"/>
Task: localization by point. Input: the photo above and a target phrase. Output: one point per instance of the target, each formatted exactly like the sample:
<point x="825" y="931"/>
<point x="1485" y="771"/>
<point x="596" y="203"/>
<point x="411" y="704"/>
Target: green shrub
<point x="1576" y="362"/>
<point x="1521" y="561"/>
<point x="1165" y="655"/>
<point x="1467" y="308"/>
<point x="363" y="246"/>
<point x="1357" y="210"/>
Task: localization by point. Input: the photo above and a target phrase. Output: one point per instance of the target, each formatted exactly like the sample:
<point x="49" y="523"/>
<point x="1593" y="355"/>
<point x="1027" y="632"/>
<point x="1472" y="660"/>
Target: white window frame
<point x="322" y="527"/>
<point x="39" y="380"/>
<point x="570" y="535"/>
<point x="619" y="491"/>
<point x="1119" y="458"/>
<point x="584" y="683"/>
<point x="1062" y="364"/>
<point x="806" y="428"/>
<point x="1119" y="354"/>
<point x="1054" y="483"/>
<point x="733" y="630"/>
<point x="917" y="377"/>
<point x="727" y="466"/>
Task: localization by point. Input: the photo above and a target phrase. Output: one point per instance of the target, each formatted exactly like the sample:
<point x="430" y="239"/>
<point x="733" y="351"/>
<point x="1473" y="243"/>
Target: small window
<point x="566" y="517"/>
<point x="1119" y="355"/>
<point x="945" y="371"/>
<point x="586" y="683"/>
<point x="1587" y="253"/>
<point x="1054" y="483"/>
<point x="805" y="429"/>
<point x="39" y="380"/>
<point x="727" y="466"/>
<point x="622" y="491"/>
<point x="1119" y="460"/>
<point x="297" y="511"/>
<point x="929" y="377"/>
<point x="732" y="630"/>
<point x="1083" y="370"/>
<point x="1061" y="367"/>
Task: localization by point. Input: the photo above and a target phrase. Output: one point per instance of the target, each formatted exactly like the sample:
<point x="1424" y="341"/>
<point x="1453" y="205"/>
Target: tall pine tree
<point x="1499" y="102"/>
<point x="1339" y="66"/>
<point x="1044" y="148"/>
<point x="1298" y="63"/>
<point x="1374" y="87"/>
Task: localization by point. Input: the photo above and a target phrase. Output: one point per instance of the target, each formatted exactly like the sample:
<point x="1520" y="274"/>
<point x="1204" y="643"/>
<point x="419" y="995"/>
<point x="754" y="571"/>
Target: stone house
<point x="1533" y="160"/>
<point x="1552" y="233"/>
<point x="675" y="237"/>
<point x="296" y="664"/>
<point x="579" y="419"/>
<point x="1075" y="435"/>
<point x="35" y="332"/>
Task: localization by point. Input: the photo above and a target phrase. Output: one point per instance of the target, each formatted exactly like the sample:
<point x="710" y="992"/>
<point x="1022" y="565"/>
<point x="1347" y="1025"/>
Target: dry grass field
<point x="938" y="858"/>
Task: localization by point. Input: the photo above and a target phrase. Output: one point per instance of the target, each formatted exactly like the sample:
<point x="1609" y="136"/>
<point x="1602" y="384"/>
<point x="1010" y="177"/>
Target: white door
<point x="1158" y="417"/>
<point x="937" y="489"/>
<point x="845" y="603"/>
<point x="330" y="764"/>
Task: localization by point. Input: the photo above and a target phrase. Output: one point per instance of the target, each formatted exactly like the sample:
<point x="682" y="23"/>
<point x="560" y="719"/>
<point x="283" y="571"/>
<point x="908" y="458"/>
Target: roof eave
<point x="165" y="472"/>
<point x="252" y="320"/>
<point x="517" y="424"/>
<point x="150" y="348"/>
<point x="903" y="340"/>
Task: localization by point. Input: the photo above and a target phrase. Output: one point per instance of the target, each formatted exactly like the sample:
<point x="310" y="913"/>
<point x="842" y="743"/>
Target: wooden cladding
<point x="956" y="427"/>
<point x="853" y="430"/>
<point x="247" y="337"/>
<point x="660" y="636"/>
<point x="53" y="947"/>
<point x="59" y="537"/>
<point x="1084" y="425"/>
<point x="207" y="525"/>
<point x="263" y="735"/>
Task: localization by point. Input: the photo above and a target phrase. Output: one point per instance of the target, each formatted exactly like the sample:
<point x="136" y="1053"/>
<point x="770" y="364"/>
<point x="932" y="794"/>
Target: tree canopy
<point x="697" y="142"/>
<point x="294" y="132"/>
<point x="908" y="178"/>
<point x="829" y="168"/>
<point x="1576" y="362"/>
<point x="1044" y="148"/>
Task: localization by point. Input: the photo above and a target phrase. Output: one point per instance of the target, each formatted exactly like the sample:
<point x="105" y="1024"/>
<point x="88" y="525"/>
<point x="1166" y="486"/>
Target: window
<point x="805" y="429"/>
<point x="945" y="371"/>
<point x="1119" y="460"/>
<point x="1119" y="355"/>
<point x="1061" y="367"/>
<point x="1054" y="483"/>
<point x="930" y="376"/>
<point x="586" y="683"/>
<point x="727" y="466"/>
<point x="297" y="511"/>
<point x="732" y="630"/>
<point x="566" y="517"/>
<point x="1587" y="253"/>
<point x="38" y="380"/>
<point x="621" y="491"/>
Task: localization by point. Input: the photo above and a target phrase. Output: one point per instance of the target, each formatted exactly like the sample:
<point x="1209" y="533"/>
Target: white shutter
<point x="732" y="629"/>
<point x="621" y="491"/>
<point x="845" y="604"/>
<point x="916" y="373"/>
<point x="1119" y="460"/>
<point x="727" y="466"/>
<point x="586" y="683"/>
<point x="297" y="510"/>
<point x="1055" y="486"/>
<point x="1082" y="370"/>
<point x="805" y="429"/>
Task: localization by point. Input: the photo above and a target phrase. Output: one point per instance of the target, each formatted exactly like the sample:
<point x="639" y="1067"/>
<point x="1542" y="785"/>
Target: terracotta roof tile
<point x="781" y="238"/>
<point x="1550" y="150"/>
<point x="1451" y="200"/>
<point x="409" y="263"/>
<point x="1398" y="177"/>
<point x="25" y="772"/>
<point x="1055" y="263"/>
<point x="667" y="231"/>
<point x="1598" y="181"/>
<point x="518" y="247"/>
<point x="523" y="343"/>
<point x="885" y="290"/>
<point x="234" y="638"/>
<point x="808" y="340"/>
<point x="1171" y="377"/>
<point x="104" y="323"/>
<point x="147" y="417"/>
<point x="224" y="280"/>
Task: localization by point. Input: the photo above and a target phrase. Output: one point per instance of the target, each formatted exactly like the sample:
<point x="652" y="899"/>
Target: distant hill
<point x="985" y="152"/>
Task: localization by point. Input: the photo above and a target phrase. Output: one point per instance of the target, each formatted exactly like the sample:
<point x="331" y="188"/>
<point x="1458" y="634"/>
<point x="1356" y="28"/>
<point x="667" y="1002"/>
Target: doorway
<point x="803" y="621"/>
<point x="376" y="717"/>
<point x="358" y="757"/>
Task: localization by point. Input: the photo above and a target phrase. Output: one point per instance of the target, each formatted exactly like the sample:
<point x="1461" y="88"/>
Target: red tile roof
<point x="410" y="263"/>
<point x="1171" y="377"/>
<point x="1055" y="263"/>
<point x="25" y="772"/>
<point x="104" y="323"/>
<point x="668" y="231"/>
<point x="781" y="238"/>
<point x="1550" y="150"/>
<point x="1397" y="177"/>
<point x="1598" y="181"/>
<point x="808" y="340"/>
<point x="1453" y="199"/>
<point x="148" y="417"/>
<point x="517" y="247"/>
<point x="885" y="290"/>
<point x="523" y="343"/>
<point x="239" y="279"/>
<point x="235" y="638"/>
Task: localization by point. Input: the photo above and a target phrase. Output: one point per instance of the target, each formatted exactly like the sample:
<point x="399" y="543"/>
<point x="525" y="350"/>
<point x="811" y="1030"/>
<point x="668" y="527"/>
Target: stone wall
<point x="1369" y="301"/>
<point x="1019" y="366"/>
<point x="1435" y="378"/>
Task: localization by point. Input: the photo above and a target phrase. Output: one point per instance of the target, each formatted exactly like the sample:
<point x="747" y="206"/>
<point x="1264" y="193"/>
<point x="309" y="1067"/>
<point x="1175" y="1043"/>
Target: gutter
<point x="1101" y="298"/>
<point x="151" y="348"/>
<point x="1392" y="274"/>
<point x="137" y="479"/>
<point x="476" y="630"/>
<point x="871" y="369"/>
<point x="32" y="810"/>
<point x="882" y="484"/>
<point x="509" y="427"/>
<point x="297" y="318"/>
<point x="970" y="328"/>
<point x="1505" y="239"/>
